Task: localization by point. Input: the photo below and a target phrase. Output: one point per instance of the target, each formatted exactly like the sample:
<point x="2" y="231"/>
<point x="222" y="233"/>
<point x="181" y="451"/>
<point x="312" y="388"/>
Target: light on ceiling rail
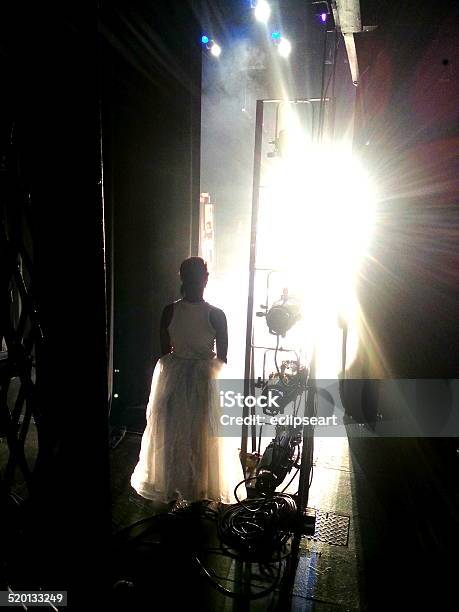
<point x="321" y="10"/>
<point x="211" y="45"/>
<point x="284" y="47"/>
<point x="215" y="49"/>
<point x="262" y="11"/>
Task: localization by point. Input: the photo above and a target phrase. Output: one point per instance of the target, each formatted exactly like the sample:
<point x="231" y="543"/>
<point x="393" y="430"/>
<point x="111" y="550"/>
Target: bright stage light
<point x="215" y="49"/>
<point x="327" y="191"/>
<point x="320" y="191"/>
<point x="317" y="214"/>
<point x="284" y="47"/>
<point x="262" y="11"/>
<point x="204" y="39"/>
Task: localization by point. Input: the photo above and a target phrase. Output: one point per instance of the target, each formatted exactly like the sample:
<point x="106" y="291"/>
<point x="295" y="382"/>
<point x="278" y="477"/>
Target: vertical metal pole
<point x="333" y="93"/>
<point x="253" y="248"/>
<point x="253" y="427"/>
<point x="308" y="435"/>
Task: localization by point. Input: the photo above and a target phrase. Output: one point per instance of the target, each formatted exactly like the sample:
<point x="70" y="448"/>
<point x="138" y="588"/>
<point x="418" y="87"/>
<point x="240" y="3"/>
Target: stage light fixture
<point x="262" y="11"/>
<point x="204" y="39"/>
<point x="284" y="47"/>
<point x="275" y="35"/>
<point x="321" y="10"/>
<point x="215" y="49"/>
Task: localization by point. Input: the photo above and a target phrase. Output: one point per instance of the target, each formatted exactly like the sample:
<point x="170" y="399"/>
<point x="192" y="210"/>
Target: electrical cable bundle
<point x="258" y="529"/>
<point x="255" y="531"/>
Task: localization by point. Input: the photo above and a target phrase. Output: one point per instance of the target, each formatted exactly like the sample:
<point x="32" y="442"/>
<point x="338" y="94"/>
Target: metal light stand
<point x="307" y="443"/>
<point x="249" y="374"/>
<point x="248" y="370"/>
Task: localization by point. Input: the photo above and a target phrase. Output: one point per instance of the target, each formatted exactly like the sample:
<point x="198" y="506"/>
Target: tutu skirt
<point x="182" y="456"/>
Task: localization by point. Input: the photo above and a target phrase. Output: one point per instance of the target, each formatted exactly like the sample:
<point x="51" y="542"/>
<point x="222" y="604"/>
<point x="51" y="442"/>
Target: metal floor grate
<point x="331" y="528"/>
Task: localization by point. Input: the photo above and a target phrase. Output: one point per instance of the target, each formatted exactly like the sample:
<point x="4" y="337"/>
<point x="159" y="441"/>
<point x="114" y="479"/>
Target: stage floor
<point x="398" y="498"/>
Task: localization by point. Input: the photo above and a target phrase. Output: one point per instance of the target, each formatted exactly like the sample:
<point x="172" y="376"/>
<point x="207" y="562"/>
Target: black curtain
<point x="151" y="102"/>
<point x="50" y="92"/>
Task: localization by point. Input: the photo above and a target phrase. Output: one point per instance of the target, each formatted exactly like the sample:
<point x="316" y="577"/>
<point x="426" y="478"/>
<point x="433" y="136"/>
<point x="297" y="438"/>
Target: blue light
<point x="204" y="39"/>
<point x="275" y="35"/>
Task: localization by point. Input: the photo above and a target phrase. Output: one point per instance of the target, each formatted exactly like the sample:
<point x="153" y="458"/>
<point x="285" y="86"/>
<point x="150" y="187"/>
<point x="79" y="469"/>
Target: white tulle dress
<point x="182" y="456"/>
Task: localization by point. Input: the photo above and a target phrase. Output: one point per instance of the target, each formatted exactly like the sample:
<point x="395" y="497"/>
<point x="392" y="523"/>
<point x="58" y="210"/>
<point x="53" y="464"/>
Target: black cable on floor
<point x="258" y="531"/>
<point x="235" y="594"/>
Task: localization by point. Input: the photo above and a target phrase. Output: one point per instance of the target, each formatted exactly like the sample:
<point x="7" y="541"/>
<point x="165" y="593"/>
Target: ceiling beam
<point x="348" y="21"/>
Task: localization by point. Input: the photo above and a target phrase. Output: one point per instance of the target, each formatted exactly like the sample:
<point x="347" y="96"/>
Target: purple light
<point x="323" y="16"/>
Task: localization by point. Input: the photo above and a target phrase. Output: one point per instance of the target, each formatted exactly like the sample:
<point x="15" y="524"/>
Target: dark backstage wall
<point x="151" y="57"/>
<point x="407" y="128"/>
<point x="104" y="240"/>
<point x="55" y="533"/>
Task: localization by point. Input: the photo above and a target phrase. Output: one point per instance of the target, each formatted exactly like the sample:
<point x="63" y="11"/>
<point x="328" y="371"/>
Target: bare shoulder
<point x="168" y="308"/>
<point x="167" y="314"/>
<point x="217" y="316"/>
<point x="217" y="312"/>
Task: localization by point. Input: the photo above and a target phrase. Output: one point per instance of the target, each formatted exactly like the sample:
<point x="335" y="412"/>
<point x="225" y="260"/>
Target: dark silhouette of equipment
<point x="283" y="453"/>
<point x="283" y="315"/>
<point x="280" y="456"/>
<point x="283" y="387"/>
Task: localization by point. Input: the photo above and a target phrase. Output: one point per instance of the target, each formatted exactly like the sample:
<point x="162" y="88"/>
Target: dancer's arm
<point x="164" y="337"/>
<point x="218" y="320"/>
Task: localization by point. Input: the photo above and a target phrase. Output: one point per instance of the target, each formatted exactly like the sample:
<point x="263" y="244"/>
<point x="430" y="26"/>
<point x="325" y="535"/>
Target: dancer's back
<point x="191" y="332"/>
